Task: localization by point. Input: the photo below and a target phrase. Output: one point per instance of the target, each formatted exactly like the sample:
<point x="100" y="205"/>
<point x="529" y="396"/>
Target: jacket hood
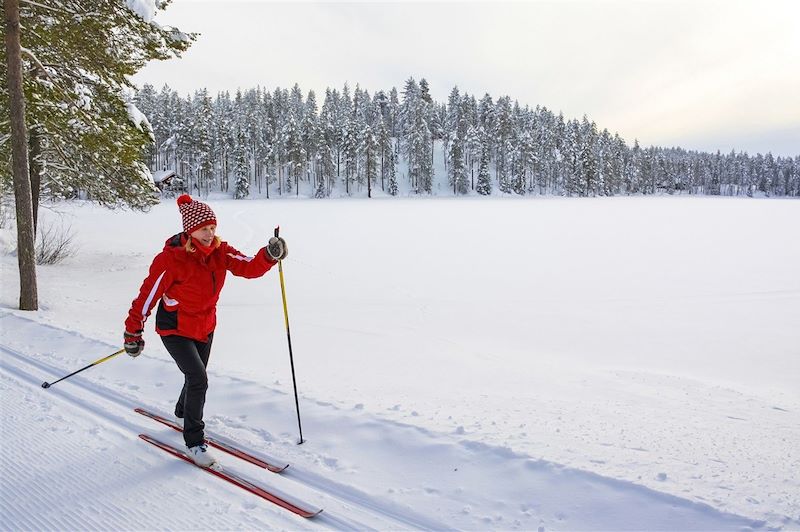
<point x="178" y="240"/>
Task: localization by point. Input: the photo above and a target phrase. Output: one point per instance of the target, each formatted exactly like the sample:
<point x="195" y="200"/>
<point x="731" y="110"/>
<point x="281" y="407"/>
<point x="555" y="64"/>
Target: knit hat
<point x="196" y="214"/>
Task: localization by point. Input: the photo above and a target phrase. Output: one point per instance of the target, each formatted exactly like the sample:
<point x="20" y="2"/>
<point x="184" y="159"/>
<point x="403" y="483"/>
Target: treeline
<point x="283" y="142"/>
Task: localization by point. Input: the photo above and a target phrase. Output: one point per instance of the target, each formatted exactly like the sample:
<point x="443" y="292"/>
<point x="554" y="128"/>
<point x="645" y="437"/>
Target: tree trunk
<point x="28" y="298"/>
<point x="36" y="169"/>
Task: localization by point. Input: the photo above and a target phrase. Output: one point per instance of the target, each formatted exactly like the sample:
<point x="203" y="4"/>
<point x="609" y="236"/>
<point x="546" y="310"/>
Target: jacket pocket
<point x="166" y="320"/>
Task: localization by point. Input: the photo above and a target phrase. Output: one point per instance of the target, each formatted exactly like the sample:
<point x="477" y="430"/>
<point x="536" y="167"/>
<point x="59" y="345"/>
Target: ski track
<point x="67" y="416"/>
<point x="33" y="500"/>
<point x="354" y="502"/>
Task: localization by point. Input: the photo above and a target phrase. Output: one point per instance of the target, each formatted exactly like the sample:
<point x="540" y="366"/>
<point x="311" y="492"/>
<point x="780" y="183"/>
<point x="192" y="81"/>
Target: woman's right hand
<point x="134" y="344"/>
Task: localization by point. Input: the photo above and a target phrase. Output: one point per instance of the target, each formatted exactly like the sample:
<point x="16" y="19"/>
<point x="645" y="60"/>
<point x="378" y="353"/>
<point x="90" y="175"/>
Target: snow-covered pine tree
<point x="447" y="124"/>
<point x="384" y="149"/>
<point x="224" y="138"/>
<point x="311" y="134"/>
<point x="202" y="135"/>
<point x="503" y="131"/>
<point x="328" y="144"/>
<point x="416" y="137"/>
<point x="484" y="186"/>
<point x="296" y="105"/>
<point x="473" y="149"/>
<point x="261" y="160"/>
<point x="392" y="174"/>
<point x="91" y="136"/>
<point x="589" y="172"/>
<point x="327" y="171"/>
<point x="350" y="153"/>
<point x="146" y="101"/>
<point x="295" y="154"/>
<point x="440" y="131"/>
<point x="457" y="171"/>
<point x="369" y="149"/>
<point x="280" y="105"/>
<point x="241" y="167"/>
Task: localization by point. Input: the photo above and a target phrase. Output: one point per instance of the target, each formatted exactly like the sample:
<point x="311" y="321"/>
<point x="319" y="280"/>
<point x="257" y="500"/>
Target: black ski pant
<point x="191" y="357"/>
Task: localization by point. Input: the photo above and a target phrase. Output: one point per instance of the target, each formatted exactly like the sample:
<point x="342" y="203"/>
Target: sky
<point x="702" y="74"/>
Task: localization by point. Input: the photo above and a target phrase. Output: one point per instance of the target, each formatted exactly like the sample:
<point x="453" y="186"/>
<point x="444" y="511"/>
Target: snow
<point x="161" y="175"/>
<point x="138" y="118"/>
<point x="145" y="9"/>
<point x="470" y="363"/>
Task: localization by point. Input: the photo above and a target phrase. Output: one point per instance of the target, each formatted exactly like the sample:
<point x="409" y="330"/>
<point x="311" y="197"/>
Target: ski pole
<point x="289" y="339"/>
<point x="46" y="384"/>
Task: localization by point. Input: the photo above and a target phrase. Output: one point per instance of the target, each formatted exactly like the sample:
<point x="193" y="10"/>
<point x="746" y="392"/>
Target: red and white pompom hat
<point x="195" y="214"/>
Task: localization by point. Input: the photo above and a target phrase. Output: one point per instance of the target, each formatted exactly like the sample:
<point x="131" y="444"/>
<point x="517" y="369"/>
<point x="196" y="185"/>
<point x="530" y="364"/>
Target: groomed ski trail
<point x="127" y="485"/>
<point x="110" y="421"/>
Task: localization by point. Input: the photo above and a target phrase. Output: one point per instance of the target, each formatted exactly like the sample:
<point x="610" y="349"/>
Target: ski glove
<point x="276" y="248"/>
<point x="134" y="345"/>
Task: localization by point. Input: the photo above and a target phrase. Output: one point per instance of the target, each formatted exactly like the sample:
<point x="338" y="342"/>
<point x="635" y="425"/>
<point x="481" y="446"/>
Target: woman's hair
<point x="189" y="246"/>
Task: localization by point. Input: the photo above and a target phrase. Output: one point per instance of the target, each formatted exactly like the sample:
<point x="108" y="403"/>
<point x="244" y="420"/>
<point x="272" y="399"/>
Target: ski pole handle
<point x="96" y="362"/>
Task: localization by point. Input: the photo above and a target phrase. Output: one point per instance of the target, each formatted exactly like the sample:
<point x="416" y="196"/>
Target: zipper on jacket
<point x="214" y="282"/>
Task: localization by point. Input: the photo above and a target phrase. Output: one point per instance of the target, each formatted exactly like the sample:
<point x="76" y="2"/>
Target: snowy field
<point x="476" y="364"/>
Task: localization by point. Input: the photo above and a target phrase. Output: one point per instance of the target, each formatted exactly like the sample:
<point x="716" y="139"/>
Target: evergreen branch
<point x="60" y="10"/>
<point x="40" y="68"/>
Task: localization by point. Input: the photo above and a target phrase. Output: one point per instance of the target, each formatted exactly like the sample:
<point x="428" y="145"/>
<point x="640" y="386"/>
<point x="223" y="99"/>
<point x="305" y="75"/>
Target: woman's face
<point x="205" y="235"/>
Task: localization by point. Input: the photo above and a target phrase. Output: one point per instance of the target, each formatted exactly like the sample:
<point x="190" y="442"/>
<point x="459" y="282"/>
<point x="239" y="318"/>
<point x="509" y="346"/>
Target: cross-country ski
<point x="230" y="448"/>
<point x="228" y="475"/>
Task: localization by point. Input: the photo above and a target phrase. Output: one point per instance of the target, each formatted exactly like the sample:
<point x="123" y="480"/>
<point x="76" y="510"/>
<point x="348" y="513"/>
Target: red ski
<point x="235" y="479"/>
<point x="216" y="443"/>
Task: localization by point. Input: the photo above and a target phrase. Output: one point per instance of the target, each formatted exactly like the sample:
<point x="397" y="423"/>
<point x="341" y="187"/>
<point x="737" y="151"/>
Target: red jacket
<point x="187" y="286"/>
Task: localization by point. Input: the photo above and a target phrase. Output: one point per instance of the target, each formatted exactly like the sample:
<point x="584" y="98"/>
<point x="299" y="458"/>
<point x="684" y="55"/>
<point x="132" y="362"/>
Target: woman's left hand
<point x="277" y="249"/>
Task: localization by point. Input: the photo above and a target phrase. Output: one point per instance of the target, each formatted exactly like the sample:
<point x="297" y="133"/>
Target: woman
<point x="185" y="280"/>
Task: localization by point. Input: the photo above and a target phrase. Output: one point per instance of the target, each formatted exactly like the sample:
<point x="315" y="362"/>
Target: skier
<point x="185" y="280"/>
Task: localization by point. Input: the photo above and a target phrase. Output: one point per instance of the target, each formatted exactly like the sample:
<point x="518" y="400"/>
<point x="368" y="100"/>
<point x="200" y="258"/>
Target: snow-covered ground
<point x="472" y="363"/>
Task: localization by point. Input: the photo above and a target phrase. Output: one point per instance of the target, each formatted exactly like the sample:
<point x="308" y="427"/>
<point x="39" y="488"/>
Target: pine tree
<point x="503" y="130"/>
<point x="241" y="167"/>
<point x="81" y="54"/>
<point x="484" y="186"/>
<point x="416" y="138"/>
<point x="295" y="154"/>
<point x="312" y="134"/>
<point x="473" y="149"/>
<point x="350" y="154"/>
<point x="458" y="174"/>
<point x="369" y="151"/>
<point x="392" y="175"/>
<point x="12" y="60"/>
<point x="589" y="171"/>
<point x="385" y="150"/>
<point x="203" y="138"/>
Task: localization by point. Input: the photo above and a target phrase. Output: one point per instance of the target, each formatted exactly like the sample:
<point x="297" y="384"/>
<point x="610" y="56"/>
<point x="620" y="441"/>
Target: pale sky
<point x="701" y="74"/>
